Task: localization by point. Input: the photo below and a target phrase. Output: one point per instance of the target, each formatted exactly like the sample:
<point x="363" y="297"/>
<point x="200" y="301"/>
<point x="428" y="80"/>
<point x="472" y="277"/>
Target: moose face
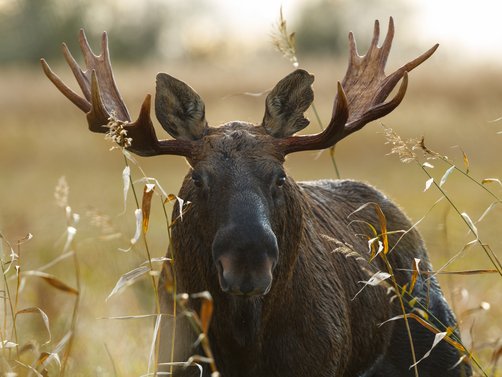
<point x="237" y="176"/>
<point x="239" y="182"/>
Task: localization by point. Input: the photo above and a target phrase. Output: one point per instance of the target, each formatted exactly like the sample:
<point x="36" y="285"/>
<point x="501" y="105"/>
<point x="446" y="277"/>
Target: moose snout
<point x="245" y="261"/>
<point x="244" y="282"/>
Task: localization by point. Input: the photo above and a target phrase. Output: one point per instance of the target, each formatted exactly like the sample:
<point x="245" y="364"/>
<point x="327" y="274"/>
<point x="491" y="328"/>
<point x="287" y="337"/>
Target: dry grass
<point x="42" y="137"/>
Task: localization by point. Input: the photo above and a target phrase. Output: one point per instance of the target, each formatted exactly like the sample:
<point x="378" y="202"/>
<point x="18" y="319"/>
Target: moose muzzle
<point x="245" y="257"/>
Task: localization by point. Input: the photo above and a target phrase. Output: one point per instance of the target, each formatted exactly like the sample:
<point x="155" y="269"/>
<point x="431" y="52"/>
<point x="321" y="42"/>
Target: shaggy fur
<point x="309" y="323"/>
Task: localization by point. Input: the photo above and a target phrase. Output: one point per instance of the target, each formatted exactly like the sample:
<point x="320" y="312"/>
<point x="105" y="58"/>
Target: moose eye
<point x="196" y="179"/>
<point x="281" y="180"/>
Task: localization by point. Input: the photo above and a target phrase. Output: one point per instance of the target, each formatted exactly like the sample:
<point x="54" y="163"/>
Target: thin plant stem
<point x="488" y="252"/>
<point x="175" y="288"/>
<point x="453" y="335"/>
<point x="468" y="176"/>
<point x="152" y="277"/>
<point x="74" y="317"/>
<point x="11" y="307"/>
<point x="403" y="309"/>
<point x="114" y="366"/>
<point x="331" y="149"/>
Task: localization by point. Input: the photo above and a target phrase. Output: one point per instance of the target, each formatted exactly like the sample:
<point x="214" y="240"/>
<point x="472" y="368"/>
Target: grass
<point x="42" y="137"/>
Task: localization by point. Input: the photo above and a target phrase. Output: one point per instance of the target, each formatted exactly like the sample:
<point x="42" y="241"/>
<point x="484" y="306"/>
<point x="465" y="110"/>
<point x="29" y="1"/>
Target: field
<point x="44" y="137"/>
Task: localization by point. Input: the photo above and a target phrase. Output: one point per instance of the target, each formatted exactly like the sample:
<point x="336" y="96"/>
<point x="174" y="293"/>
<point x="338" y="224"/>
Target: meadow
<point x="43" y="137"/>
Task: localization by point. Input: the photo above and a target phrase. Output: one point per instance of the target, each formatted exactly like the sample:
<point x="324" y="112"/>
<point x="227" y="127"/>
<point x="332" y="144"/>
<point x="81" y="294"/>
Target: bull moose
<point x="283" y="260"/>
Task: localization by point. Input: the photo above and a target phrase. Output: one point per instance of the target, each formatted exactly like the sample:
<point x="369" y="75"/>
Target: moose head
<point x="237" y="177"/>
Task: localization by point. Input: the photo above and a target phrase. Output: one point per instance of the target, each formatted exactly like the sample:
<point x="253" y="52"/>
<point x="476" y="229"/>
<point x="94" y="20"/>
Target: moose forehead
<point x="237" y="142"/>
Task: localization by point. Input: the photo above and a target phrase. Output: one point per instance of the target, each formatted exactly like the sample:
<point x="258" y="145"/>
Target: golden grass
<point x="43" y="137"/>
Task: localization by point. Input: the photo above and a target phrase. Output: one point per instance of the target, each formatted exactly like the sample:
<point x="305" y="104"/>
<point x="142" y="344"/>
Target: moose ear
<point x="286" y="103"/>
<point x="179" y="109"/>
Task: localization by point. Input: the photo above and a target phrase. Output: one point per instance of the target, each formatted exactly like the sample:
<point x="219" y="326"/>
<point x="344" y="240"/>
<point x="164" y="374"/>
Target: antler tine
<point x="78" y="101"/>
<point x="82" y="80"/>
<point x="102" y="101"/>
<point x="374" y="40"/>
<point x="98" y="116"/>
<point x="353" y="55"/>
<point x="105" y="51"/>
<point x="387" y="43"/>
<point x="366" y="87"/>
<point x="89" y="56"/>
<point x="396" y="76"/>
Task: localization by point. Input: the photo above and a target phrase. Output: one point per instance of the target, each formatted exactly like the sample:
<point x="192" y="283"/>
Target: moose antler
<point x="102" y="101"/>
<point x="361" y="95"/>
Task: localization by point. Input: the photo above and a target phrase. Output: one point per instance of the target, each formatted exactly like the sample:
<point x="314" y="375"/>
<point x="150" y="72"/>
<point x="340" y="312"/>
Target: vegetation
<point x="77" y="297"/>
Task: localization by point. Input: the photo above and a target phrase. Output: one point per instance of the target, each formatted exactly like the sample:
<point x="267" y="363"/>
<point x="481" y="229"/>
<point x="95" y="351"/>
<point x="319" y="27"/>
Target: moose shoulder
<point x="284" y="261"/>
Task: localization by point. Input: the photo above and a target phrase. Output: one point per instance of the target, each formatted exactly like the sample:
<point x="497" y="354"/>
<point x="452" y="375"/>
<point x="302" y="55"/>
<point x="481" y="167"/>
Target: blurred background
<point x="224" y="49"/>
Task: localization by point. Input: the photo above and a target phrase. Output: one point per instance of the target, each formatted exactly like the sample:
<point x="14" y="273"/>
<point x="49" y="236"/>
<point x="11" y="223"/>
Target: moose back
<point x="284" y="261"/>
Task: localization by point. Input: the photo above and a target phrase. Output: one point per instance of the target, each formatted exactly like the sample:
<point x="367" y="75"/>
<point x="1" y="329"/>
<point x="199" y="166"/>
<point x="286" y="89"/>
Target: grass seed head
<point x="402" y="148"/>
<point x="117" y="132"/>
<point x="285" y="42"/>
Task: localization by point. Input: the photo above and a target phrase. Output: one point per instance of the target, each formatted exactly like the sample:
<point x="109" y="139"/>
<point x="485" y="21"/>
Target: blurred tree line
<point x="30" y="29"/>
<point x="323" y="25"/>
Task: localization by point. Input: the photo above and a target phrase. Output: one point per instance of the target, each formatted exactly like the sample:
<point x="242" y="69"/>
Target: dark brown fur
<point x="309" y="323"/>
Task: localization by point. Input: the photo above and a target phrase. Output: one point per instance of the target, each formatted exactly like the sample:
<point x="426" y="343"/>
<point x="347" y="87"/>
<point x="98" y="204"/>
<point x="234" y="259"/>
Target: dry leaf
<point x="146" y="204"/>
<point x="471" y="224"/>
<point x="126" y="181"/>
<point x="382" y="221"/>
<point x="7" y="344"/>
<point x="44" y="317"/>
<point x="446" y="175"/>
<point x="414" y="275"/>
<point x="439" y="336"/>
<point x="371" y="244"/>
<point x="428" y="184"/>
<point x="52" y="280"/>
<point x="46" y="357"/>
<point x="128" y="278"/>
<point x="206" y="310"/>
<point x="491" y="180"/>
<point x="138" y="214"/>
<point x="383" y="228"/>
<point x="375" y="280"/>
<point x="466" y="162"/>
